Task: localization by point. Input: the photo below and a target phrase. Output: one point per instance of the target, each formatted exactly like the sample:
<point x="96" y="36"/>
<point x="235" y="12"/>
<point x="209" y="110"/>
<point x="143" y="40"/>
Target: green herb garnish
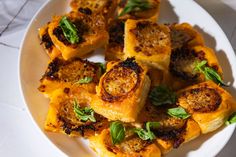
<point x="162" y="95"/>
<point x="147" y="134"/>
<point x="69" y="30"/>
<point x="102" y="67"/>
<point x="84" y="80"/>
<point x="231" y="119"/>
<point x="178" y="112"/>
<point x="209" y="73"/>
<point x="143" y="134"/>
<point x="117" y="131"/>
<point x="83" y="114"/>
<point x="135" y="5"/>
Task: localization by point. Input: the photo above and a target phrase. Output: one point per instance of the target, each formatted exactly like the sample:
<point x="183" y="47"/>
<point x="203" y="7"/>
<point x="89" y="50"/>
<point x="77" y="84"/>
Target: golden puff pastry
<point x="170" y="127"/>
<point x="208" y="104"/>
<point x="156" y="76"/>
<point x="47" y="43"/>
<point x="62" y="118"/>
<point x="175" y="138"/>
<point x="184" y="35"/>
<point x="172" y="132"/>
<point x="115" y="47"/>
<point x="122" y="91"/>
<point x="183" y="61"/>
<point x="105" y="7"/>
<point x="132" y="146"/>
<point x="151" y="13"/>
<point x="148" y="42"/>
<point x="61" y="74"/>
<point x="91" y="32"/>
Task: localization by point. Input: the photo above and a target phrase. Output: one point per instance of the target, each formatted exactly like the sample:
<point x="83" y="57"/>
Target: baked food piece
<point x="114" y="49"/>
<point x="132" y="146"/>
<point x="183" y="61"/>
<point x="151" y="12"/>
<point x="156" y="76"/>
<point x="172" y="132"/>
<point x="122" y="91"/>
<point x="91" y="30"/>
<point x="184" y="35"/>
<point x="148" y="42"/>
<point x="47" y="43"/>
<point x="187" y="46"/>
<point x="105" y="7"/>
<point x="62" y="116"/>
<point x="175" y="138"/>
<point x="208" y="104"/>
<point x="61" y="74"/>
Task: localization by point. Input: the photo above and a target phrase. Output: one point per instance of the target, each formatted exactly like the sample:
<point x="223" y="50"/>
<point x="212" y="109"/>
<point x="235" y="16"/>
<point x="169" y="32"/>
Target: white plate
<point x="33" y="62"/>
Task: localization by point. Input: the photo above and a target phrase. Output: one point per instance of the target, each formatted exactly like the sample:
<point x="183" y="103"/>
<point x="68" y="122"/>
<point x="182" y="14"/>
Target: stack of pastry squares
<point x="151" y="70"/>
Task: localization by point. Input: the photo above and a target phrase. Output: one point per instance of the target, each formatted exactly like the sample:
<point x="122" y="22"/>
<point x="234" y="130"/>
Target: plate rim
<point x="230" y="46"/>
<point x="23" y="96"/>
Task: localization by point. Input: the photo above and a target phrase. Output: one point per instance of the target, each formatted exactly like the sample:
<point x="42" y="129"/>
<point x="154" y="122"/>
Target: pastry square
<point x="150" y="12"/>
<point x="91" y="33"/>
<point x="156" y="76"/>
<point x="105" y="7"/>
<point x="148" y="42"/>
<point x="172" y="132"/>
<point x="190" y="131"/>
<point x="47" y="43"/>
<point x="209" y="105"/>
<point x="132" y="146"/>
<point x="62" y="116"/>
<point x="70" y="73"/>
<point x="122" y="91"/>
<point x="183" y="61"/>
<point x="184" y="35"/>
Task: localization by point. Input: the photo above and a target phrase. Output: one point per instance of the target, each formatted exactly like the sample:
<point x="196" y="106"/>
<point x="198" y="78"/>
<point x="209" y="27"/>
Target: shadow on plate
<point x="229" y="148"/>
<point x="170" y="16"/>
<point x="224" y="13"/>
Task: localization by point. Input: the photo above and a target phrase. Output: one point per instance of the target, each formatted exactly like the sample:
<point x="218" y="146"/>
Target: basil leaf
<point x="102" y="67"/>
<point x="178" y="112"/>
<point x="209" y="73"/>
<point x="153" y="125"/>
<point x="143" y="134"/>
<point x="162" y="95"/>
<point x="83" y="114"/>
<point x="231" y="119"/>
<point x="117" y="132"/>
<point x="69" y="30"/>
<point x="147" y="134"/>
<point x="84" y="80"/>
<point x="199" y="66"/>
<point x="135" y="5"/>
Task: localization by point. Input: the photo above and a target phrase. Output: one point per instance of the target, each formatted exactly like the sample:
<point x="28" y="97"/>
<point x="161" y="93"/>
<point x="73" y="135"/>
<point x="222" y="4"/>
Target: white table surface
<point x="18" y="134"/>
